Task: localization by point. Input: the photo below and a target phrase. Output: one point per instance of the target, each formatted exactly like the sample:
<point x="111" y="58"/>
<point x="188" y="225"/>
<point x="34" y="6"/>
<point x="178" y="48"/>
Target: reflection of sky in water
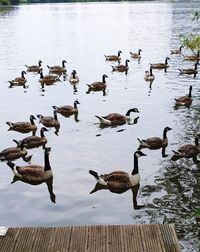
<point x="82" y="33"/>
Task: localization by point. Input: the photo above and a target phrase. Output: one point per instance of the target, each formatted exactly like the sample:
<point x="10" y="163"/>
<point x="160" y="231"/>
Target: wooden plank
<point x="99" y="238"/>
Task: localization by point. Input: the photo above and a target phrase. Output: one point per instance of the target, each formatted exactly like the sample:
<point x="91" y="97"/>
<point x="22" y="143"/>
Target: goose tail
<point x="176" y="156"/>
<point x="95" y="174"/>
<point x="10" y="125"/>
<point x="97" y="177"/>
<point x="103" y="120"/>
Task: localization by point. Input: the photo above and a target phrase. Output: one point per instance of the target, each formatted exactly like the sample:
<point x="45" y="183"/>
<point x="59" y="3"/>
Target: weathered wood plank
<point x="99" y="238"/>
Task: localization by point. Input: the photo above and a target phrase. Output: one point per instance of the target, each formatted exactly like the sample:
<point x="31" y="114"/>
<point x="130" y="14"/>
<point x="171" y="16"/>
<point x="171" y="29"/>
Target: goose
<point x="149" y="76"/>
<point x="190" y="71"/>
<point x="35" y="68"/>
<point x="121" y="68"/>
<point x="35" y="174"/>
<point x="120" y="180"/>
<point x="161" y="65"/>
<point x="49" y="121"/>
<point x="58" y="69"/>
<point x="114" y="57"/>
<point x="136" y="55"/>
<point x="34" y="141"/>
<point x="194" y="57"/>
<point x="19" y="81"/>
<point x="155" y="143"/>
<point x="74" y="79"/>
<point x="14" y="153"/>
<point x="115" y="118"/>
<point x="23" y="127"/>
<point x="177" y="51"/>
<point x="48" y="79"/>
<point x="98" y="85"/>
<point x="184" y="100"/>
<point x="188" y="151"/>
<point x="67" y="110"/>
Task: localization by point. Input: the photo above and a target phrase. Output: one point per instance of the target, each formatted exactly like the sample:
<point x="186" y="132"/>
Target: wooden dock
<point x="98" y="238"/>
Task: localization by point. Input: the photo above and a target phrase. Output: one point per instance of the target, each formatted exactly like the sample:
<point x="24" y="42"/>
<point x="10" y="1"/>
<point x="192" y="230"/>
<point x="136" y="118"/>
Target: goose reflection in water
<point x="35" y="174"/>
<point x="120" y="181"/>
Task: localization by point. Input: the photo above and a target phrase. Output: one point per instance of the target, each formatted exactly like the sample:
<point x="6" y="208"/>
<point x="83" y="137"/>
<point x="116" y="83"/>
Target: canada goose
<point x="49" y="121"/>
<point x="189" y="71"/>
<point x="188" y="151"/>
<point x="67" y="110"/>
<point x="194" y="57"/>
<point x="35" y="174"/>
<point x="98" y="85"/>
<point x="149" y="76"/>
<point x="58" y="69"/>
<point x="116" y="119"/>
<point x="74" y="79"/>
<point x="120" y="180"/>
<point x="155" y="143"/>
<point x="34" y="141"/>
<point x="121" y="68"/>
<point x="177" y="51"/>
<point x="161" y="65"/>
<point x="14" y="153"/>
<point x="35" y="68"/>
<point x="19" y="81"/>
<point x="24" y="127"/>
<point x="48" y="79"/>
<point x="113" y="57"/>
<point x="184" y="100"/>
<point x="136" y="55"/>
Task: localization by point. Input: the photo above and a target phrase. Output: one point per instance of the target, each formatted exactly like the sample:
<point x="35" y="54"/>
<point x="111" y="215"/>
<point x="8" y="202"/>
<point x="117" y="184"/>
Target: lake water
<point x="82" y="33"/>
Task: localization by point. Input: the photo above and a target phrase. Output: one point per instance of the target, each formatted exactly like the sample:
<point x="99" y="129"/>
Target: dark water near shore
<point x="82" y="33"/>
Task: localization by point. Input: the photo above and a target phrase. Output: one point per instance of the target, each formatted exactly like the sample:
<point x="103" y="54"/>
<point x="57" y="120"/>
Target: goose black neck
<point x="41" y="75"/>
<point x="32" y="121"/>
<point x="126" y="63"/>
<point x="42" y="133"/>
<point x="196" y="141"/>
<point x="55" y="115"/>
<point x="73" y="75"/>
<point x="104" y="79"/>
<point x="135" y="165"/>
<point x="166" y="61"/>
<point x="151" y="73"/>
<point x="190" y="92"/>
<point x="164" y="134"/>
<point x="139" y="52"/>
<point x="47" y="166"/>
<point x="63" y="64"/>
<point x="75" y="105"/>
<point x="39" y="63"/>
<point x="198" y="54"/>
<point x="23" y="75"/>
<point x="118" y="53"/>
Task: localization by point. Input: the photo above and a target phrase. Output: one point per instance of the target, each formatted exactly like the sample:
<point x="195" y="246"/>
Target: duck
<point x="121" y="68"/>
<point x="116" y="119"/>
<point x="149" y="76"/>
<point x="35" y="68"/>
<point x="34" y="141"/>
<point x="155" y="143"/>
<point x="136" y="55"/>
<point x="67" y="110"/>
<point x="161" y="65"/>
<point x="35" y="174"/>
<point x="13" y="153"/>
<point x="114" y="57"/>
<point x="120" y="180"/>
<point x="58" y="69"/>
<point x="74" y="79"/>
<point x="23" y="127"/>
<point x="194" y="57"/>
<point x="49" y="121"/>
<point x="177" y="51"/>
<point x="19" y="81"/>
<point x="188" y="151"/>
<point x="98" y="85"/>
<point x="48" y="79"/>
<point x="189" y="71"/>
<point x="185" y="100"/>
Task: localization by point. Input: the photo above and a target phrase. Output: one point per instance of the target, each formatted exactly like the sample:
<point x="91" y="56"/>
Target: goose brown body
<point x="194" y="57"/>
<point x="184" y="100"/>
<point x="49" y="121"/>
<point x="177" y="51"/>
<point x="113" y="57"/>
<point x="120" y="180"/>
<point x="13" y="153"/>
<point x="189" y="71"/>
<point x="19" y="81"/>
<point x="160" y="65"/>
<point x="48" y="79"/>
<point x="116" y="118"/>
<point x="35" y="68"/>
<point x="74" y="79"/>
<point x="149" y="75"/>
<point x="34" y="141"/>
<point x="121" y="68"/>
<point x="67" y="109"/>
<point x="136" y="55"/>
<point x="98" y="85"/>
<point x="23" y="127"/>
<point x="58" y="69"/>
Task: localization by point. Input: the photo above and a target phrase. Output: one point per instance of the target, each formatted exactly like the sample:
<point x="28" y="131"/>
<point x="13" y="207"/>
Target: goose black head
<point x="139" y="153"/>
<point x="167" y="129"/>
<point x="32" y="117"/>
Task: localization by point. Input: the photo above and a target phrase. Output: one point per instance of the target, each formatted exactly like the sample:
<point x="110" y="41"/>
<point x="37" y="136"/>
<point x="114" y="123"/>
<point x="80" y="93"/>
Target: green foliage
<point x="4" y="2"/>
<point x="191" y="41"/>
<point x="196" y="213"/>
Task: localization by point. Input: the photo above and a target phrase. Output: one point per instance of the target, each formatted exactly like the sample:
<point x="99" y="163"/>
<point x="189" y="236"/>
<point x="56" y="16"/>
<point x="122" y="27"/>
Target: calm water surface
<point x="82" y="33"/>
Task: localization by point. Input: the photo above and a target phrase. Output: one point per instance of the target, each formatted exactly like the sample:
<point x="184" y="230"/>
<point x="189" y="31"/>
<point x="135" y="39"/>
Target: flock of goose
<point x="117" y="181"/>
